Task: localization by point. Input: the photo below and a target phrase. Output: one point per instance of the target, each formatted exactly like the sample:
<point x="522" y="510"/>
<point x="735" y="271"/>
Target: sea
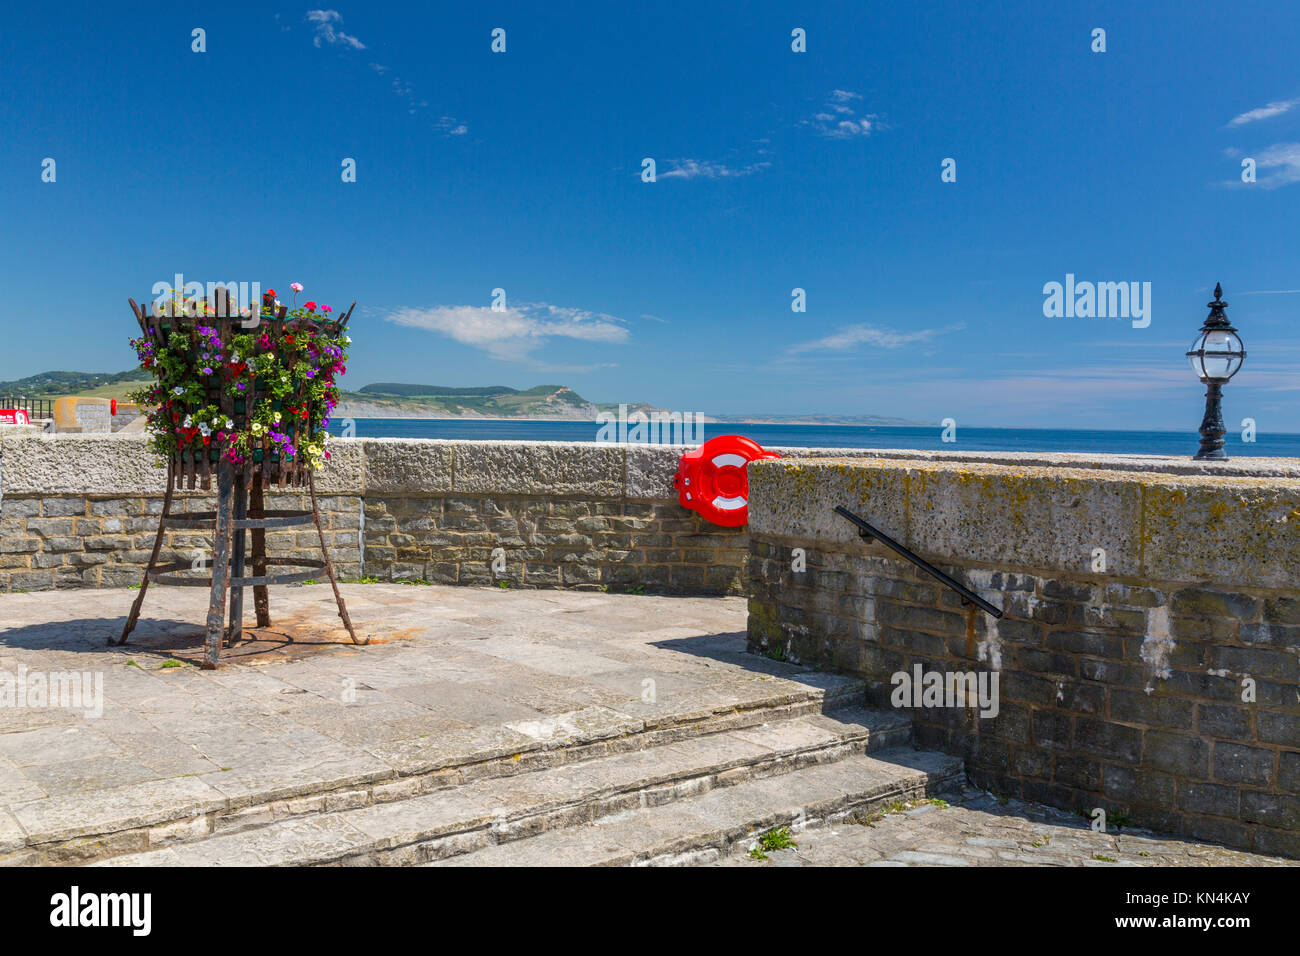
<point x="927" y="438"/>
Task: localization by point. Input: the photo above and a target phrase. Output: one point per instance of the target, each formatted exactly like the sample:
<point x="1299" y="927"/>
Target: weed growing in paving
<point x="777" y="838"/>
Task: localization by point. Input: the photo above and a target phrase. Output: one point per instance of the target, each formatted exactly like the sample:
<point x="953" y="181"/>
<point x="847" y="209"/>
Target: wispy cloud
<point x="451" y="126"/>
<point x="839" y="117"/>
<point x="1271" y="292"/>
<point x="704" y="169"/>
<point x="854" y="335"/>
<point x="1264" y="112"/>
<point x="323" y="22"/>
<point x="1284" y="159"/>
<point x="513" y="334"/>
<point x="653" y="318"/>
<point x="447" y="125"/>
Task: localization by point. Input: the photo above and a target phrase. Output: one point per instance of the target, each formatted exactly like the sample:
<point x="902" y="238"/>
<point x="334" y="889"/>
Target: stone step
<point x="500" y="810"/>
<point x="716" y="823"/>
<point x="85" y="829"/>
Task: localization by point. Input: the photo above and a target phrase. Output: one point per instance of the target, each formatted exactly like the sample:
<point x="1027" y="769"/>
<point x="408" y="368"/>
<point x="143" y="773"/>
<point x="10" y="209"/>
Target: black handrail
<point x="869" y="532"/>
<point x="37" y="408"/>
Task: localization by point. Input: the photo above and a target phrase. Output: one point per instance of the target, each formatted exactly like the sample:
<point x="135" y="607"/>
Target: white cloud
<point x="1264" y="112"/>
<point x="838" y="118"/>
<point x="1285" y="159"/>
<point x="855" y="335"/>
<point x="323" y="21"/>
<point x="451" y="126"/>
<point x="511" y="335"/>
<point x="704" y="169"/>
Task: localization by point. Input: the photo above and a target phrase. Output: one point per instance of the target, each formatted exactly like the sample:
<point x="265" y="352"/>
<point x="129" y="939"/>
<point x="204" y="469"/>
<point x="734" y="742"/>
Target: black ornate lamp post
<point x="1216" y="355"/>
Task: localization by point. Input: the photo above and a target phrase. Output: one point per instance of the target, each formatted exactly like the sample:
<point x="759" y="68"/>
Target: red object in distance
<point x="712" y="479"/>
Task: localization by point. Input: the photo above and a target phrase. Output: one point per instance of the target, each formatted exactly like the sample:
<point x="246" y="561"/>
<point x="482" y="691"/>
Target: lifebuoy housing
<point x="712" y="479"/>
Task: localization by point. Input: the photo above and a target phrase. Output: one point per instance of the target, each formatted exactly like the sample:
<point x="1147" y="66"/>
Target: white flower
<point x="229" y="424"/>
<point x="189" y="421"/>
<point x="178" y="390"/>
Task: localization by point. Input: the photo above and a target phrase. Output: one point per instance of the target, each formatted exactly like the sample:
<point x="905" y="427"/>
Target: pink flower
<point x="296" y="286"/>
<point x="325" y="308"/>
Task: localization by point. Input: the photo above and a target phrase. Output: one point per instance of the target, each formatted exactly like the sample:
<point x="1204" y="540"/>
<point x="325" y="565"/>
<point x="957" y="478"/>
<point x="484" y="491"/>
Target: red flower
<point x="271" y="293"/>
<point x="309" y="305"/>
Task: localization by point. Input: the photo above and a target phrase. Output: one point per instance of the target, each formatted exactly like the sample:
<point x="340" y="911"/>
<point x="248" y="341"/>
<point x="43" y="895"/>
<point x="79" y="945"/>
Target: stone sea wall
<point x="1148" y="659"/>
<point x="82" y="511"/>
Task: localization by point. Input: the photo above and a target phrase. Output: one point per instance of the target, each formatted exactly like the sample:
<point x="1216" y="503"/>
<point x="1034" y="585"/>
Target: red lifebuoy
<point x="712" y="479"/>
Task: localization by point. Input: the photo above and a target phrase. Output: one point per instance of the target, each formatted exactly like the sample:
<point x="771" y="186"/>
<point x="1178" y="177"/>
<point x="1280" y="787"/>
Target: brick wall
<point x="1120" y="689"/>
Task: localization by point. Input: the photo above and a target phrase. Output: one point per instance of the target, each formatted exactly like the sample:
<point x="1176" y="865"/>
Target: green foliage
<point x="777" y="838"/>
<point x="56" y="384"/>
<point x="401" y="390"/>
<point x="284" y="370"/>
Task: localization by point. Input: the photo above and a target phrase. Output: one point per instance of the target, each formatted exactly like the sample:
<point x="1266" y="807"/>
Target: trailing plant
<point x="244" y="390"/>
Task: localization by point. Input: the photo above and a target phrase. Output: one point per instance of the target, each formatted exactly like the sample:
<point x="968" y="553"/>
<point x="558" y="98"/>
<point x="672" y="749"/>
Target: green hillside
<point x="495" y="401"/>
<point x="94" y="384"/>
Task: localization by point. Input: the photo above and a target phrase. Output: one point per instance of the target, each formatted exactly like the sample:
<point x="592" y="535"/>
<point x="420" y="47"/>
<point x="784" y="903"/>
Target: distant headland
<point x="405" y="400"/>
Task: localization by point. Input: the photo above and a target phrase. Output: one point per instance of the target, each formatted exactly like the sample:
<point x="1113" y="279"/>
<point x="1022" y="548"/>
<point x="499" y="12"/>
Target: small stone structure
<point x="93" y="415"/>
<point x="1149" y="654"/>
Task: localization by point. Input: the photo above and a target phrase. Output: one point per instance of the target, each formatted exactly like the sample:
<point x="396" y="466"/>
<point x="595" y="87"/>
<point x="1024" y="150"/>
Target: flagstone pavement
<point x="450" y="672"/>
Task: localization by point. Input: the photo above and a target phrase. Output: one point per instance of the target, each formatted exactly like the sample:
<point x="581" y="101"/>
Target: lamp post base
<point x="1212" y="427"/>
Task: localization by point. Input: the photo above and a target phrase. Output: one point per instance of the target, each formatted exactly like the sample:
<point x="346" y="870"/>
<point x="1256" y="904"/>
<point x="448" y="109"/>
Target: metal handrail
<point x="869" y="532"/>
<point x="37" y="408"/>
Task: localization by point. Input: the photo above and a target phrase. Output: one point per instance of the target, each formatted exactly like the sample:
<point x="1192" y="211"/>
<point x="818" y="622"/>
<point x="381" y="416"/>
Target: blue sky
<point x="776" y="170"/>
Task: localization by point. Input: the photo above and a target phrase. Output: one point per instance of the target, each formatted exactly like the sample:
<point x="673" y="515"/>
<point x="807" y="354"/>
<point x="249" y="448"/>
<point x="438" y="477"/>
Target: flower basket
<point x="250" y="392"/>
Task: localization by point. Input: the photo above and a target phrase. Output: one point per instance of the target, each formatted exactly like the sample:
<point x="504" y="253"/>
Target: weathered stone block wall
<point x="553" y="542"/>
<point x="92" y="541"/>
<point x="81" y="511"/>
<point x="1165" y="689"/>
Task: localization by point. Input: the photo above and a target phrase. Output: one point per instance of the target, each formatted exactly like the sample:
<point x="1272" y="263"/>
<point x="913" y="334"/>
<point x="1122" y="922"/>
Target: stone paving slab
<point x="453" y="676"/>
<point x="978" y="829"/>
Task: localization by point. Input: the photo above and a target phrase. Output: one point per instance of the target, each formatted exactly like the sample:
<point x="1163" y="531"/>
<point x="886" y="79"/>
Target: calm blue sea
<point x="857" y="436"/>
